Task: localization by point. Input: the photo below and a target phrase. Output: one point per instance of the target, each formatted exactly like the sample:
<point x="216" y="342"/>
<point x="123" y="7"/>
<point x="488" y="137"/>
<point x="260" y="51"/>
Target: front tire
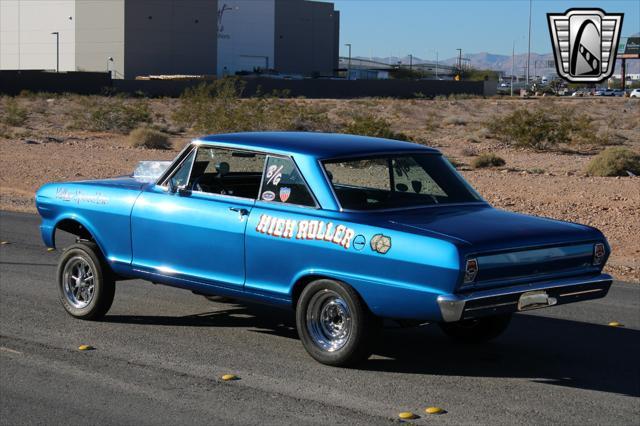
<point x="85" y="283"/>
<point x="335" y="326"/>
<point x="476" y="330"/>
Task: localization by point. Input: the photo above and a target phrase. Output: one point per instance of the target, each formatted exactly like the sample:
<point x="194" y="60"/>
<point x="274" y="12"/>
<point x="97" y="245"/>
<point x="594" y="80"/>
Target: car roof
<point x="315" y="144"/>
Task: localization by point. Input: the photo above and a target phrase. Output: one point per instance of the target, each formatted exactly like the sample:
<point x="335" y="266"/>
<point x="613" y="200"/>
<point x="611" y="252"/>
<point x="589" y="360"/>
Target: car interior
<point x="218" y="178"/>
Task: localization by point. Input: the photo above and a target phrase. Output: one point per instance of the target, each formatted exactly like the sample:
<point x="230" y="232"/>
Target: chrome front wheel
<point x="86" y="285"/>
<point x="78" y="282"/>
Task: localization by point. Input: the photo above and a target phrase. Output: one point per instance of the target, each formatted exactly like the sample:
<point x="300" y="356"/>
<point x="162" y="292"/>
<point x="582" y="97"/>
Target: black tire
<point x="103" y="289"/>
<point x="362" y="325"/>
<point x="476" y="330"/>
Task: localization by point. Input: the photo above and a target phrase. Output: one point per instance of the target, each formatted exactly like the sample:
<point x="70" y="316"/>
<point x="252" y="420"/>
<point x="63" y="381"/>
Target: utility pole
<point x="529" y="50"/>
<point x="349" y="64"/>
<point x="436" y="64"/>
<point x="410" y="61"/>
<point x="459" y="59"/>
<point x="57" y="34"/>
<point x="513" y="64"/>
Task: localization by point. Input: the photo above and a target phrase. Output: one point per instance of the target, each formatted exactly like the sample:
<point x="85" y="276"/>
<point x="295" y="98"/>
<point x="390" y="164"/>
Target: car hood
<point x="124" y="182"/>
<point x="485" y="228"/>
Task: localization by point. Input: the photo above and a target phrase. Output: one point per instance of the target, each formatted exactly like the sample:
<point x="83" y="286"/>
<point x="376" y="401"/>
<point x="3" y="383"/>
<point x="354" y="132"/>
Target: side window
<point x="282" y="183"/>
<point x="181" y="175"/>
<point x="227" y="172"/>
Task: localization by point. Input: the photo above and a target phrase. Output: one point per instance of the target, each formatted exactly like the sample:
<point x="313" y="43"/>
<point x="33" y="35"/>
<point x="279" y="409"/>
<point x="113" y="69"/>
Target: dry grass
<point x="615" y="162"/>
<point x="144" y="137"/>
<point x="487" y="160"/>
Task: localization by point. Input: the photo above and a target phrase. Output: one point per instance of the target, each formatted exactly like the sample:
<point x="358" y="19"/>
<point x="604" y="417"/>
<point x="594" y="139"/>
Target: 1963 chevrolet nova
<point x="346" y="230"/>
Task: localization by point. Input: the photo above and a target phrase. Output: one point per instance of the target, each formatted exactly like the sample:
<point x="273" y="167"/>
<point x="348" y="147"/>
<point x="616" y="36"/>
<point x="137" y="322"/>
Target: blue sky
<point x="399" y="27"/>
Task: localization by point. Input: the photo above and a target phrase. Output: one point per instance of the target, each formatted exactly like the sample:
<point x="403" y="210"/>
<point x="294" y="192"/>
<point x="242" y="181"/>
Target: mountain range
<point x="541" y="63"/>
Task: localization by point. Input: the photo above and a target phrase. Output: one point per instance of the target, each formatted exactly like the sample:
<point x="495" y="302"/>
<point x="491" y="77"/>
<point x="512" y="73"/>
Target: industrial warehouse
<point x="131" y="38"/>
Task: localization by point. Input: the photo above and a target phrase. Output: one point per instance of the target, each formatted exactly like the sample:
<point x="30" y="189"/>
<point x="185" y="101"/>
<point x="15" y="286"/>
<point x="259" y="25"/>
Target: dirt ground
<point x="551" y="184"/>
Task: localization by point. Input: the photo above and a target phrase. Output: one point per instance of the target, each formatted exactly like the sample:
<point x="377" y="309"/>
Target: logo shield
<point x="584" y="43"/>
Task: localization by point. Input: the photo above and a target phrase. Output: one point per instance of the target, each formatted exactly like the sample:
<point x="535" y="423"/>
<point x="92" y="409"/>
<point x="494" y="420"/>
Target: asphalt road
<point x="160" y="351"/>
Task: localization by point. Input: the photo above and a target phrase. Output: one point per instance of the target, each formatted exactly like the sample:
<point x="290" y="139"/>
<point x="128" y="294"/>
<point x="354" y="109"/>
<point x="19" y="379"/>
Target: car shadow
<point x="546" y="350"/>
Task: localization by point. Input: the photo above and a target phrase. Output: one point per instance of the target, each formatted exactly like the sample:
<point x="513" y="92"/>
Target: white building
<point x="127" y="37"/>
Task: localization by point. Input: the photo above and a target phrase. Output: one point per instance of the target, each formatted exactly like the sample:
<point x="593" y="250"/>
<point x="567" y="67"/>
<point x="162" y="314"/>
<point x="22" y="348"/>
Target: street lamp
<point x="349" y="64"/>
<point x="110" y="61"/>
<point x="57" y="34"/>
<point x="529" y="50"/>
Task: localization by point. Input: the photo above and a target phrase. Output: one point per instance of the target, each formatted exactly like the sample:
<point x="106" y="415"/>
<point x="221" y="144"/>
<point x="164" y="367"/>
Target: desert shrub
<point x="487" y="160"/>
<point x="614" y="162"/>
<point x="453" y="120"/>
<point x="468" y="151"/>
<point x="543" y="128"/>
<point x="218" y="108"/>
<point x="13" y="114"/>
<point x="369" y="125"/>
<point x="144" y="137"/>
<point x="110" y="114"/>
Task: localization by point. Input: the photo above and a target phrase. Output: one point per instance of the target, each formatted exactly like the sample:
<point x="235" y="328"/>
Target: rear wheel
<point x="85" y="283"/>
<point x="334" y="324"/>
<point x="476" y="330"/>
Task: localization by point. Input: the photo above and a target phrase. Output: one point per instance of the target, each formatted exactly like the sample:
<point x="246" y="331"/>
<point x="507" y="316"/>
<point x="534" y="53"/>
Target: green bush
<point x="110" y="114"/>
<point x="144" y="137"/>
<point x="369" y="125"/>
<point x="487" y="160"/>
<point x="543" y="128"/>
<point x="218" y="108"/>
<point x="614" y="162"/>
<point x="13" y="114"/>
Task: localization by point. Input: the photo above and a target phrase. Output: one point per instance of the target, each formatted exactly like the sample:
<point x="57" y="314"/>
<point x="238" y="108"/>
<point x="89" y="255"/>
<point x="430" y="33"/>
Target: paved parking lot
<point x="160" y="352"/>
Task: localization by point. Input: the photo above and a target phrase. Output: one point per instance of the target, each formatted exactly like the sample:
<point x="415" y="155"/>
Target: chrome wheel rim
<point x="78" y="282"/>
<point x="329" y="320"/>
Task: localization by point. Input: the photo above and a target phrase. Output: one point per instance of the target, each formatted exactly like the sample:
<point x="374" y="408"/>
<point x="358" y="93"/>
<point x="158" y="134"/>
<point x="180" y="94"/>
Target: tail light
<point x="599" y="253"/>
<point x="470" y="271"/>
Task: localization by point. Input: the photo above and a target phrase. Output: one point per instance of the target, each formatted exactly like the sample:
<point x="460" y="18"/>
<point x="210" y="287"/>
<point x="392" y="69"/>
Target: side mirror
<point x="184" y="191"/>
<point x="172" y="186"/>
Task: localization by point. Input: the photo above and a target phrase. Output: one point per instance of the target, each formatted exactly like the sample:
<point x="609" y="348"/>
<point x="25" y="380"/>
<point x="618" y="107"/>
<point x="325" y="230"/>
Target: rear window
<point x="397" y="181"/>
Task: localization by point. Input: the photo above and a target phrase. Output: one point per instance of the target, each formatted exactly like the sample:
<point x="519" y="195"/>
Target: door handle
<point x="239" y="210"/>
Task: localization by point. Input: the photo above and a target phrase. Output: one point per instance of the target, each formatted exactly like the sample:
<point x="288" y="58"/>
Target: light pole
<point x="110" y="61"/>
<point x="529" y="50"/>
<point x="459" y="63"/>
<point x="436" y="65"/>
<point x="410" y="61"/>
<point x="513" y="64"/>
<point x="349" y="63"/>
<point x="57" y="34"/>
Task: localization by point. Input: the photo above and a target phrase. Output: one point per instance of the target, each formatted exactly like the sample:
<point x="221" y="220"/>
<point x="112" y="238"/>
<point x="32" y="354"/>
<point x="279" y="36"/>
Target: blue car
<point x="345" y="230"/>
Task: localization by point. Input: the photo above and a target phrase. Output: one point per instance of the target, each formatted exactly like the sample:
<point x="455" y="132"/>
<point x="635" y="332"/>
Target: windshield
<point x="397" y="181"/>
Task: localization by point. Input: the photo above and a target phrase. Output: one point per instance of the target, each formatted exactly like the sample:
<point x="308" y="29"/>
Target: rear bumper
<point x="456" y="307"/>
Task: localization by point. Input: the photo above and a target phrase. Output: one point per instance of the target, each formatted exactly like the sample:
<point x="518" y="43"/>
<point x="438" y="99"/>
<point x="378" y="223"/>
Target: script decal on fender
<point x="306" y="230"/>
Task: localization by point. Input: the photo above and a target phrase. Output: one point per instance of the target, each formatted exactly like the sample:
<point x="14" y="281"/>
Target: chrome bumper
<point x="456" y="307"/>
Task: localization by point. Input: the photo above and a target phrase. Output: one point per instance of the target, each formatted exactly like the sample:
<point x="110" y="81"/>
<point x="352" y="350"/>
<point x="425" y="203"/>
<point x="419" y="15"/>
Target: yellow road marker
<point x="50" y="249"/>
<point x="228" y="377"/>
<point x="407" y="415"/>
<point x="434" y="410"/>
<point x="615" y="324"/>
<point x="4" y="243"/>
<point x="85" y="348"/>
